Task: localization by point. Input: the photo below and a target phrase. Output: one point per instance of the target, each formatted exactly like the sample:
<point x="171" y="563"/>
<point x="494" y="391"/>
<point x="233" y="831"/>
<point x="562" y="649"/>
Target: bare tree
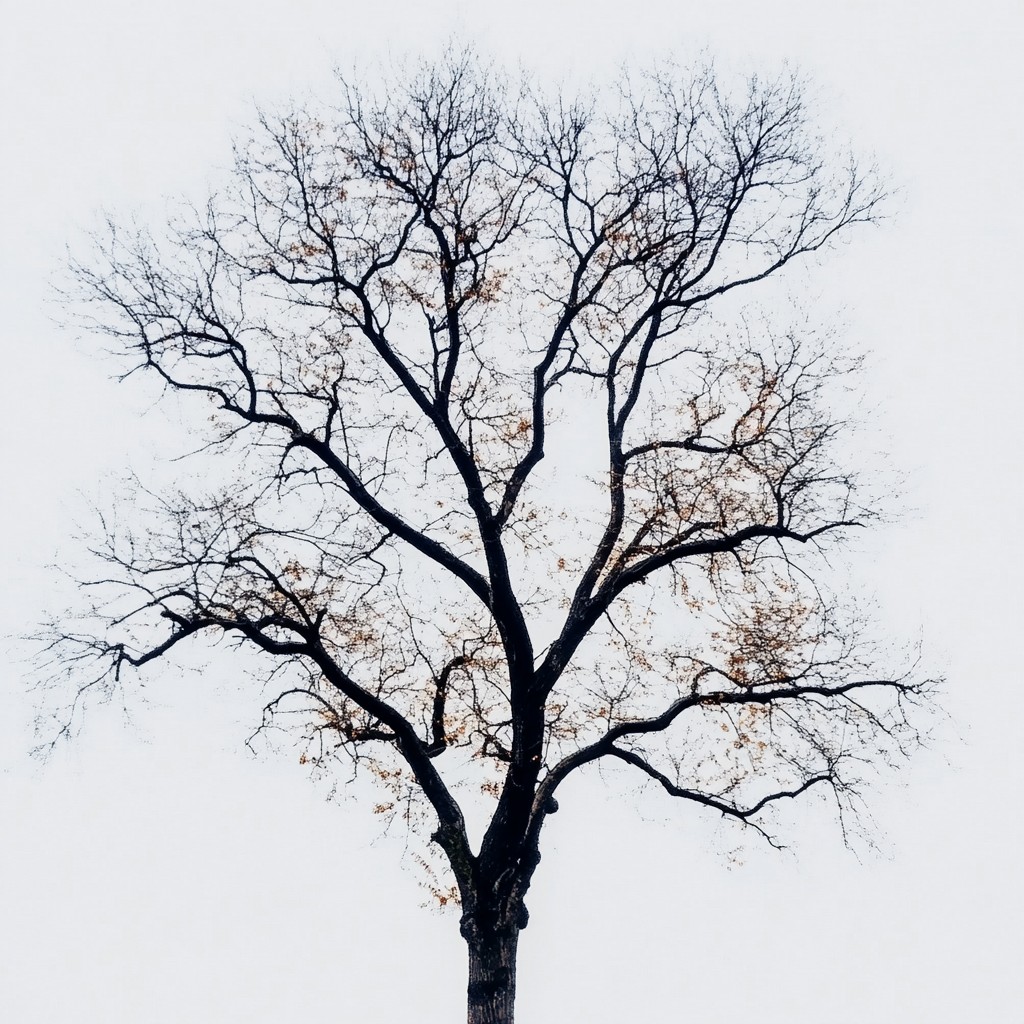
<point x="500" y="495"/>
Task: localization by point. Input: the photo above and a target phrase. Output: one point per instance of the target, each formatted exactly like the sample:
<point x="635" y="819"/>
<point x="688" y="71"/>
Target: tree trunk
<point x="492" y="975"/>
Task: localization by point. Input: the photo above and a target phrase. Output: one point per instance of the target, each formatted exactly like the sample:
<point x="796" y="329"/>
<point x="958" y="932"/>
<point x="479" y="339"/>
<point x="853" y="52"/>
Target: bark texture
<point x="492" y="976"/>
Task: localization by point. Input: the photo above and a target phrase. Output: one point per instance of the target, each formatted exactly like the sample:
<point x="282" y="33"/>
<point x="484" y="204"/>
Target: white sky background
<point x="159" y="873"/>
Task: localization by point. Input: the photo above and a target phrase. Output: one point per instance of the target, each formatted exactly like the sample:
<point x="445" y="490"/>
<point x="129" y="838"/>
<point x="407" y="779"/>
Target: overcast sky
<point x="158" y="872"/>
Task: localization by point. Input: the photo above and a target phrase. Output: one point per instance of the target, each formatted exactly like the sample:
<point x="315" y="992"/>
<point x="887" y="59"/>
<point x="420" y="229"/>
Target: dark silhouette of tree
<point x="505" y="484"/>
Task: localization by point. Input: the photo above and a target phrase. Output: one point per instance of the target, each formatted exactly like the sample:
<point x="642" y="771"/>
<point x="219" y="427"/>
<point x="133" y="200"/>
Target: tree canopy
<point x="498" y="477"/>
